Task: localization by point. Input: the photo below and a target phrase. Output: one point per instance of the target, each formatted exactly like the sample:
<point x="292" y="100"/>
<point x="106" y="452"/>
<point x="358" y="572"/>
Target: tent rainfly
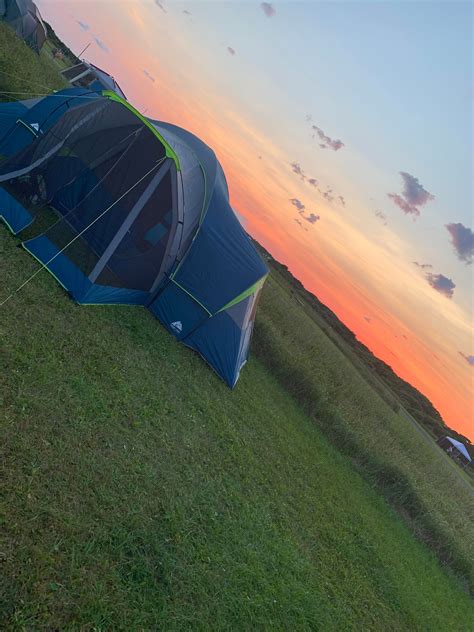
<point x="24" y="18"/>
<point x="140" y="213"/>
<point x="86" y="75"/>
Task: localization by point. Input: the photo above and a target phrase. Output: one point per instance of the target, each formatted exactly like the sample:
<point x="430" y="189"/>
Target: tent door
<point x="131" y="217"/>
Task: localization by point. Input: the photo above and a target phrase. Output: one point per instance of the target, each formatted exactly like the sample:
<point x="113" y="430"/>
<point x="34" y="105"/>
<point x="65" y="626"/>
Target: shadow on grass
<point x="391" y="482"/>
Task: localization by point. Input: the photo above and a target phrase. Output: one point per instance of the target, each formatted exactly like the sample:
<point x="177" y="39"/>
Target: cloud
<point x="312" y="218"/>
<point x="462" y="239"/>
<point x="100" y="44"/>
<point x="299" y="205"/>
<point x="160" y="5"/>
<point x="83" y="25"/>
<point x="382" y="217"/>
<point x="402" y="204"/>
<point x="441" y="284"/>
<point x="147" y="74"/>
<point x="268" y="9"/>
<point x="313" y="182"/>
<point x="342" y="200"/>
<point x="413" y="192"/>
<point x="186" y="12"/>
<point x="328" y="142"/>
<point x="469" y="358"/>
<point x="422" y="266"/>
<point x="296" y="168"/>
<point x="413" y="196"/>
<point x="230" y="50"/>
<point x="438" y="282"/>
<point x="328" y="195"/>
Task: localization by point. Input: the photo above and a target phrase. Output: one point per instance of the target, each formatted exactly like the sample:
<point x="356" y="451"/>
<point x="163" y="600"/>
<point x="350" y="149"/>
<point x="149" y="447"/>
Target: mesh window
<point x="90" y="168"/>
<point x="137" y="260"/>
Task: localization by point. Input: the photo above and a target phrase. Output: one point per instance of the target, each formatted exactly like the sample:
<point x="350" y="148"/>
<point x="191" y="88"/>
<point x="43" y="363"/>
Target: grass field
<point x="23" y="72"/>
<point x="139" y="492"/>
<point x="414" y="476"/>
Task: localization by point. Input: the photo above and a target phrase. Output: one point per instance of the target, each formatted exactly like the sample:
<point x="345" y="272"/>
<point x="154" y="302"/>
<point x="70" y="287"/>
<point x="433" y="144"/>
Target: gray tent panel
<point x="25" y="19"/>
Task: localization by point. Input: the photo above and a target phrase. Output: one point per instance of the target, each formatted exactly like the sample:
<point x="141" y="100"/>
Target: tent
<point x="86" y="75"/>
<point x="460" y="447"/>
<point x="24" y="18"/>
<point x="139" y="214"/>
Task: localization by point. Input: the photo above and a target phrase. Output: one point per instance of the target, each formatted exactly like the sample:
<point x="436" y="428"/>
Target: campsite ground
<point x="139" y="492"/>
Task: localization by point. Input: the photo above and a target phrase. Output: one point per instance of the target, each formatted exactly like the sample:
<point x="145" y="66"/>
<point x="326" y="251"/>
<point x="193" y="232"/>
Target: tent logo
<point x="35" y="126"/>
<point x="177" y="326"/>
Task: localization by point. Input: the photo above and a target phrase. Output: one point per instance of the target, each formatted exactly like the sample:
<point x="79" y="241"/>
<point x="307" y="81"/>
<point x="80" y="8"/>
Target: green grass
<point x="47" y="53"/>
<point x="413" y="474"/>
<point x="22" y="71"/>
<point x="139" y="492"/>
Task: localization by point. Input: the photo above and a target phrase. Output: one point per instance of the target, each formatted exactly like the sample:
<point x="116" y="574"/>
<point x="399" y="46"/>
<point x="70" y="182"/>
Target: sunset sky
<point x="345" y="131"/>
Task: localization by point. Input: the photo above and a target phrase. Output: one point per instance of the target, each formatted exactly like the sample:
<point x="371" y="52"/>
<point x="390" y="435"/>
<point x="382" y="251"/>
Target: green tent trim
<point x="170" y="153"/>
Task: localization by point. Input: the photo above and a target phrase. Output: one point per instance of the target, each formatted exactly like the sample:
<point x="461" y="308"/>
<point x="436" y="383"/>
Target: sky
<point x="345" y="131"/>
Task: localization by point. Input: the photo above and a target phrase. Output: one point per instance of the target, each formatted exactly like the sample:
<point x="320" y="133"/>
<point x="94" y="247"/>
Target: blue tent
<point x="140" y="215"/>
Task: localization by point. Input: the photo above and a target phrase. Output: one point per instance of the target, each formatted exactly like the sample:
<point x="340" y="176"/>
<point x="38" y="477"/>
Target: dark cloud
<point x="160" y="5"/>
<point x="312" y="218"/>
<point x="296" y="168"/>
<point x="422" y="266"/>
<point x="342" y="200"/>
<point x="186" y="12"/>
<point x="299" y="205"/>
<point x="441" y="284"/>
<point x="413" y="192"/>
<point x="469" y="358"/>
<point x="101" y="44"/>
<point x="413" y="196"/>
<point x="230" y="50"/>
<point x="148" y="75"/>
<point x="462" y="239"/>
<point x="402" y="204"/>
<point x="83" y="25"/>
<point x="368" y="319"/>
<point x="382" y="217"/>
<point x="328" y="195"/>
<point x="268" y="9"/>
<point x="328" y="142"/>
